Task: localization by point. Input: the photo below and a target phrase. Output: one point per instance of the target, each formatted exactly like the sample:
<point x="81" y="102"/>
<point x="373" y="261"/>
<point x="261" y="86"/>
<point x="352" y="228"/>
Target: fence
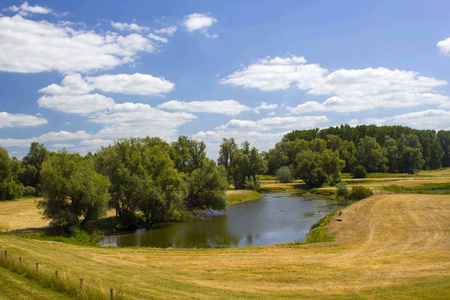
<point x="56" y="280"/>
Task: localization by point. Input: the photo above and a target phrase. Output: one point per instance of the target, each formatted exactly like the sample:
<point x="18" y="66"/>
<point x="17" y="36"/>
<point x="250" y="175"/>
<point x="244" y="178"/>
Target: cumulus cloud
<point x="132" y="84"/>
<point x="348" y="90"/>
<point x="20" y="120"/>
<point x="169" y="31"/>
<point x="444" y="46"/>
<point x="47" y="137"/>
<point x="26" y="9"/>
<point x="357" y="90"/>
<point x="137" y="119"/>
<point x="268" y="124"/>
<point x="73" y="84"/>
<point x="428" y="119"/>
<point x="226" y="107"/>
<point x="135" y="84"/>
<point x="264" y="106"/>
<point x="128" y="27"/>
<point x="272" y="74"/>
<point x="36" y="46"/>
<point x="200" y="22"/>
<point x="78" y="104"/>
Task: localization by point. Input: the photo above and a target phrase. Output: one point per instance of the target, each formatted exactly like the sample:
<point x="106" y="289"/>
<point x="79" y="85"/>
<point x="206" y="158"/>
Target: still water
<point x="269" y="220"/>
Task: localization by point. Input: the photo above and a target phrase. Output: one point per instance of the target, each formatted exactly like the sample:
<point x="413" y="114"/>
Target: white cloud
<point x="428" y="119"/>
<point x="158" y="38"/>
<point x="128" y="27"/>
<point x="79" y="104"/>
<point x="135" y="84"/>
<point x="132" y="84"/>
<point x="62" y="146"/>
<point x="139" y="120"/>
<point x="272" y="74"/>
<point x="444" y="46"/>
<point x="357" y="90"/>
<point x="200" y="22"/>
<point x="264" y="106"/>
<point x="72" y="84"/>
<point x="349" y="90"/>
<point x="37" y="46"/>
<point x="227" y="107"/>
<point x="25" y="9"/>
<point x="47" y="137"/>
<point x="169" y="31"/>
<point x="20" y="120"/>
<point x="268" y="124"/>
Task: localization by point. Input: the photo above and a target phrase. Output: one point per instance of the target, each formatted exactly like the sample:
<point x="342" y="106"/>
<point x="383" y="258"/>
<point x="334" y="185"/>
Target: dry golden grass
<point x="384" y="241"/>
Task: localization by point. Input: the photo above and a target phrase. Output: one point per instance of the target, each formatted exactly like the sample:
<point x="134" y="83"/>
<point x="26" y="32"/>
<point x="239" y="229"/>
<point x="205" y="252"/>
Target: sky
<point x="81" y="74"/>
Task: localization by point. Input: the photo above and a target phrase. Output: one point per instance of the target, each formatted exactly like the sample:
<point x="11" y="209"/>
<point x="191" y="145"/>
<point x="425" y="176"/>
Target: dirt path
<point x="384" y="241"/>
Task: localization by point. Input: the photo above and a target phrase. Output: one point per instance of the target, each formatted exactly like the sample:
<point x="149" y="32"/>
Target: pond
<point x="268" y="220"/>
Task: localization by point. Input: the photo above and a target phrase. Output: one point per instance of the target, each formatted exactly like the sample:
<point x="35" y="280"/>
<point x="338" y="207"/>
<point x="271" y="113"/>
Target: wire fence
<point x="58" y="280"/>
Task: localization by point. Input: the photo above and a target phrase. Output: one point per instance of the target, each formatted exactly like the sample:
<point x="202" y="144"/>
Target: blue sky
<point x="81" y="74"/>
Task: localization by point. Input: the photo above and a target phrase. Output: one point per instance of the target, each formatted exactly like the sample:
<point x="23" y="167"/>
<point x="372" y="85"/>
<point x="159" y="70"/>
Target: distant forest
<point x="378" y="149"/>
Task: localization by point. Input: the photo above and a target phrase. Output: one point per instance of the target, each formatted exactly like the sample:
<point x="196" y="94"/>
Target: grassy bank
<point x="237" y="196"/>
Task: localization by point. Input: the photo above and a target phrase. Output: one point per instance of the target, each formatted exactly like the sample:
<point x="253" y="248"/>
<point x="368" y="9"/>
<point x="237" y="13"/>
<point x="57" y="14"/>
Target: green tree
<point x="10" y="187"/>
<point x="246" y="164"/>
<point x="316" y="168"/>
<point x="73" y="193"/>
<point x="32" y="164"/>
<point x="444" y="141"/>
<point x="390" y="149"/>
<point x="226" y="154"/>
<point x="371" y="156"/>
<point x="137" y="171"/>
<point x="207" y="186"/>
<point x="410" y="154"/>
<point x="284" y="174"/>
<point x="190" y="154"/>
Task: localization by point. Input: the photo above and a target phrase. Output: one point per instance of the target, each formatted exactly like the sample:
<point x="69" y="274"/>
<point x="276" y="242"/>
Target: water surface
<point x="269" y="220"/>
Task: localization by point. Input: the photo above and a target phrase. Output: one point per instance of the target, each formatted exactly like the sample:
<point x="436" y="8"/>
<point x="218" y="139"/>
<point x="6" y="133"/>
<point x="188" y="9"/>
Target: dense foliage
<point x="241" y="164"/>
<point x="72" y="190"/>
<point x="10" y="187"/>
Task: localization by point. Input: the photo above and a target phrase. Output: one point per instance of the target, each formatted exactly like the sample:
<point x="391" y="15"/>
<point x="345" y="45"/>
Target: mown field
<point x="386" y="246"/>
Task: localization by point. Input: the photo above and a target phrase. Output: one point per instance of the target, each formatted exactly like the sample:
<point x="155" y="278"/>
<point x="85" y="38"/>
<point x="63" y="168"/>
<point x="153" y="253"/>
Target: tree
<point x="32" y="164"/>
<point x="284" y="174"/>
<point x="246" y="164"/>
<point x="143" y="177"/>
<point x="190" y="154"/>
<point x="410" y="155"/>
<point x="390" y="149"/>
<point x="316" y="168"/>
<point x="72" y="190"/>
<point x="226" y="154"/>
<point x="370" y="155"/>
<point x="10" y="187"/>
<point x="207" y="186"/>
<point x="444" y="141"/>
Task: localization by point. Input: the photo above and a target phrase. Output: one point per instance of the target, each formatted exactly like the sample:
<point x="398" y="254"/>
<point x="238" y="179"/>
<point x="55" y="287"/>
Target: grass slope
<point x="386" y="246"/>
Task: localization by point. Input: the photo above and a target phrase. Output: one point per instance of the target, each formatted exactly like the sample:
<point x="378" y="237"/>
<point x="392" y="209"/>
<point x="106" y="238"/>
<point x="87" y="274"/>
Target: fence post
<point x="20" y="259"/>
<point x="81" y="283"/>
<point x="37" y="267"/>
<point x="111" y="292"/>
<point x="6" y="254"/>
<point x="56" y="273"/>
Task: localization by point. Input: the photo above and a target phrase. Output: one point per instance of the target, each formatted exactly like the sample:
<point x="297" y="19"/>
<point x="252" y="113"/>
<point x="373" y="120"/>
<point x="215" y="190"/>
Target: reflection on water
<point x="269" y="220"/>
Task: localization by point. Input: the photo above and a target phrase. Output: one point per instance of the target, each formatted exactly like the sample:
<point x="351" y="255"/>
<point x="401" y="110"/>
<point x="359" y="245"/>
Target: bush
<point x="29" y="191"/>
<point x="284" y="174"/>
<point x="359" y="172"/>
<point x="359" y="192"/>
<point x="342" y="190"/>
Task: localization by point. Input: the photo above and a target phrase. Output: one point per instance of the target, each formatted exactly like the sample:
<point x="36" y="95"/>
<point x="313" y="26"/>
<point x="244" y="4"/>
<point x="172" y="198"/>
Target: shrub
<point x="284" y="174"/>
<point x="342" y="190"/>
<point x="359" y="172"/>
<point x="29" y="191"/>
<point x="359" y="192"/>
